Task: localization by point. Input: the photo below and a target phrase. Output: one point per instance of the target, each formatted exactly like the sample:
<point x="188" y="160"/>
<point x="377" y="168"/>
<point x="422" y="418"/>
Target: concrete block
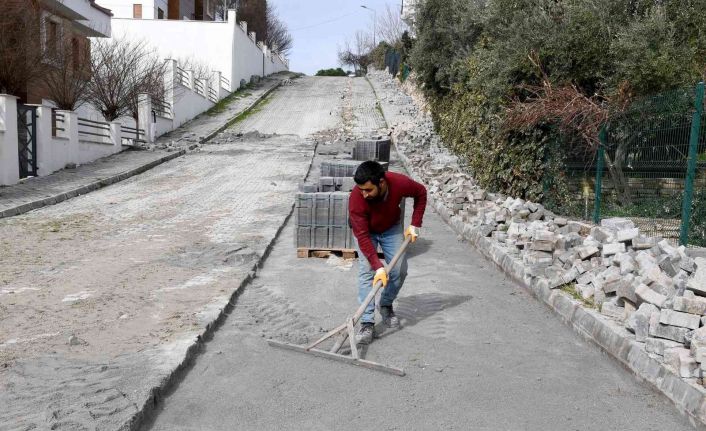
<point x="613" y="248"/>
<point x="302" y="237"/>
<point x="602" y="235"/>
<point x="658" y="345"/>
<point x="698" y="341"/>
<point x="674" y="333"/>
<point x="617" y="223"/>
<point x="643" y="243"/>
<point x="627" y="235"/>
<point x="680" y="361"/>
<point x="697" y="283"/>
<point x="626" y="289"/>
<point x="586" y="252"/>
<point x="695" y="305"/>
<point x="678" y="318"/>
<point x="646" y="294"/>
<point x="639" y="321"/>
<point x="613" y="310"/>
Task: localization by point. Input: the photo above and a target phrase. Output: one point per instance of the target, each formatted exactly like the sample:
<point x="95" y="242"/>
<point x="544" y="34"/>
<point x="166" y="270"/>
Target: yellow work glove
<point x="412" y="233"/>
<point x="380" y="275"/>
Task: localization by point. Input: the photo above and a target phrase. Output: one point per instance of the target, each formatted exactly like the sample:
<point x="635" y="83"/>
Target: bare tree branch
<point x="278" y="37"/>
<point x="390" y="26"/>
<point x="121" y="69"/>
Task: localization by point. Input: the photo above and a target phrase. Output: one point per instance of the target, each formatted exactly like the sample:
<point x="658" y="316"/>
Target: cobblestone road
<point x="479" y="351"/>
<point x="101" y="295"/>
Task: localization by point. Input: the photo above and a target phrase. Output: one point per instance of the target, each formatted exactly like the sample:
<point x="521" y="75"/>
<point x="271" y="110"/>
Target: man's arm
<point x="417" y="191"/>
<point x="359" y="224"/>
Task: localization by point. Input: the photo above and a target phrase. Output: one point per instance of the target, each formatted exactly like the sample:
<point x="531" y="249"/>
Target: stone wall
<point x="653" y="290"/>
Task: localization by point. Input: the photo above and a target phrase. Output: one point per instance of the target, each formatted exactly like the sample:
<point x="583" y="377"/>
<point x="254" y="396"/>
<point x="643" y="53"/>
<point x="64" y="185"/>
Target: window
<point x="75" y="54"/>
<point x="137" y="11"/>
<point x="160" y="13"/>
<point x="52" y="37"/>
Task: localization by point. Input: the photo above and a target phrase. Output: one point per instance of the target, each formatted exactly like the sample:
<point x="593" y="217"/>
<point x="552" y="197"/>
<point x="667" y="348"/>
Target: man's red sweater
<point x="378" y="216"/>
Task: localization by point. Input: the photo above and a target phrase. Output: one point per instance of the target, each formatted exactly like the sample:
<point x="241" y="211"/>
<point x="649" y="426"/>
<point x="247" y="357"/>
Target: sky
<point x="319" y="27"/>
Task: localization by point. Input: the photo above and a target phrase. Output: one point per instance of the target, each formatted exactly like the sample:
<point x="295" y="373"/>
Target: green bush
<point x="331" y="72"/>
<point x="473" y="58"/>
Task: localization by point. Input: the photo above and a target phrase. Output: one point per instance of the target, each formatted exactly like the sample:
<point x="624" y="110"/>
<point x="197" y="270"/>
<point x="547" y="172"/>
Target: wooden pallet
<point x="326" y="252"/>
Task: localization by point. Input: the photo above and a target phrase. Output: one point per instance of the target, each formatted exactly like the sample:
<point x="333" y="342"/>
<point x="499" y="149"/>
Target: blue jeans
<point x="390" y="241"/>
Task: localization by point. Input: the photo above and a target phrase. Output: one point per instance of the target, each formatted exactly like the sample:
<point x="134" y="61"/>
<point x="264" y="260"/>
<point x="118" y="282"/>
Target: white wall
<point x="247" y="57"/>
<point x="188" y="104"/>
<point x="9" y="165"/>
<point x="208" y="41"/>
<point x="224" y="46"/>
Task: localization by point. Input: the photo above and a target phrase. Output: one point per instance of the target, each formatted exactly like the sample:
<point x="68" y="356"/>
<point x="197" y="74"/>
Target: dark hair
<point x="369" y="171"/>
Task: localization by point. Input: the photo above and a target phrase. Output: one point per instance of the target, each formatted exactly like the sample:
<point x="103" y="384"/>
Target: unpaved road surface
<point x="480" y="353"/>
<point x="100" y="296"/>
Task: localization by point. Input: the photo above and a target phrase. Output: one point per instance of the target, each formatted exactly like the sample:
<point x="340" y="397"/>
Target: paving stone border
<point x="95" y="185"/>
<point x="51" y="200"/>
<point x="147" y="409"/>
<point x="661" y="342"/>
<point x="614" y="339"/>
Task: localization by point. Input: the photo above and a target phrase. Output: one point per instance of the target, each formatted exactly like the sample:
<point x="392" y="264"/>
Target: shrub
<point x="331" y="72"/>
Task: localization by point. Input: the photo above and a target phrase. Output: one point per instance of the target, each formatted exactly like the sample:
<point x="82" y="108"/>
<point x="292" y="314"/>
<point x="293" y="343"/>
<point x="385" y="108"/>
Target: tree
<point x="68" y="81"/>
<point x="390" y="26"/>
<point x="254" y="12"/>
<point x="121" y="69"/>
<point x="23" y="59"/>
<point x="356" y="52"/>
<point x="278" y="37"/>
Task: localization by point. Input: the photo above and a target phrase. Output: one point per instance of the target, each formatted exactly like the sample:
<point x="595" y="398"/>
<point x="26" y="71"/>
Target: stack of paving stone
<point x="329" y="184"/>
<point x="342" y="168"/>
<point x="372" y="149"/>
<point x="321" y="221"/>
<point x="655" y="289"/>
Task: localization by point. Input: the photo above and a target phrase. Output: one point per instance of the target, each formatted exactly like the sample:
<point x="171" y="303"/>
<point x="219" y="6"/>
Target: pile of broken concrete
<point x="649" y="285"/>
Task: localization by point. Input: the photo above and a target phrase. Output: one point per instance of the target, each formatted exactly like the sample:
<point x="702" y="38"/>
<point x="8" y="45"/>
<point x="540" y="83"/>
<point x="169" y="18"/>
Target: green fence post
<point x="691" y="164"/>
<point x="600" y="154"/>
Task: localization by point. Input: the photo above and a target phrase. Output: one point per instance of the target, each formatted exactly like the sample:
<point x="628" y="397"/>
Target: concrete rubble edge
<point x="610" y="337"/>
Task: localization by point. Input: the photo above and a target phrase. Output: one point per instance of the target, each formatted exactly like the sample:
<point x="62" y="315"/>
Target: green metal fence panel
<point x="650" y="167"/>
<point x="695" y="133"/>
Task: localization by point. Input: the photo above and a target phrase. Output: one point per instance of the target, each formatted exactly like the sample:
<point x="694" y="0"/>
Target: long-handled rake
<point x="346" y="331"/>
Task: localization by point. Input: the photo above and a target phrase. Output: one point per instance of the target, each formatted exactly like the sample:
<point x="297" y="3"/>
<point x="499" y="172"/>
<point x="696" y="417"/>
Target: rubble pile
<point x="655" y="289"/>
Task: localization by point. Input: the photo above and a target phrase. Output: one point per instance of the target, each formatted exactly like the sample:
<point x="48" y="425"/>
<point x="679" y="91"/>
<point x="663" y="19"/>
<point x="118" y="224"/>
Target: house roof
<point x="101" y="8"/>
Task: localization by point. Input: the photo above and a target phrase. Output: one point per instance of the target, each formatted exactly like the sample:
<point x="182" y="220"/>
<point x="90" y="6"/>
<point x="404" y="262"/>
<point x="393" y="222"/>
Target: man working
<point x="375" y="217"/>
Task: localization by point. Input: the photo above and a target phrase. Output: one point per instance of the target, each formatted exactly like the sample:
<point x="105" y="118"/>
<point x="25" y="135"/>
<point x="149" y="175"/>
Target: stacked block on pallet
<point x="372" y="149"/>
<point x="336" y="184"/>
<point x="322" y="221"/>
<point x="342" y="168"/>
<point x="329" y="184"/>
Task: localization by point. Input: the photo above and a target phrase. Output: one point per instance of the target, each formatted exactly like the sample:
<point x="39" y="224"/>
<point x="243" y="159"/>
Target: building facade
<point x="195" y="10"/>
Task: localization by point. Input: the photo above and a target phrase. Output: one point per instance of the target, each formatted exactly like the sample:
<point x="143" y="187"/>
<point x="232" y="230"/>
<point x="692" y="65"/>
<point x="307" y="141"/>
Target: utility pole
<point x="375" y="22"/>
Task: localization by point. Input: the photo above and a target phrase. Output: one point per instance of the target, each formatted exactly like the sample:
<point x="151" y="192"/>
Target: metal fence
<point x="650" y="167"/>
<point x="96" y="132"/>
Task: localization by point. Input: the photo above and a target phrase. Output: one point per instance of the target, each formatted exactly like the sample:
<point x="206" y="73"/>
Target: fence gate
<point x="27" y="139"/>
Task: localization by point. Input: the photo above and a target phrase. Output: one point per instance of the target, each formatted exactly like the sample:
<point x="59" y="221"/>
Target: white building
<point x="201" y="10"/>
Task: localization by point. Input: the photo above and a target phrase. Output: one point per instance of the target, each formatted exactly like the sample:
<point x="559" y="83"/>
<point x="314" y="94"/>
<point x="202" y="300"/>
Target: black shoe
<point x="388" y="316"/>
<point x="365" y="333"/>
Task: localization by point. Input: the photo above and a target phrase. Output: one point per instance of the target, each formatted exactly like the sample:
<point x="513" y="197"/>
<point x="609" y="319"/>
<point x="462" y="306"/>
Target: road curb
<point x="248" y="108"/>
<point x="60" y="197"/>
<point x="689" y="399"/>
<point x="150" y="405"/>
